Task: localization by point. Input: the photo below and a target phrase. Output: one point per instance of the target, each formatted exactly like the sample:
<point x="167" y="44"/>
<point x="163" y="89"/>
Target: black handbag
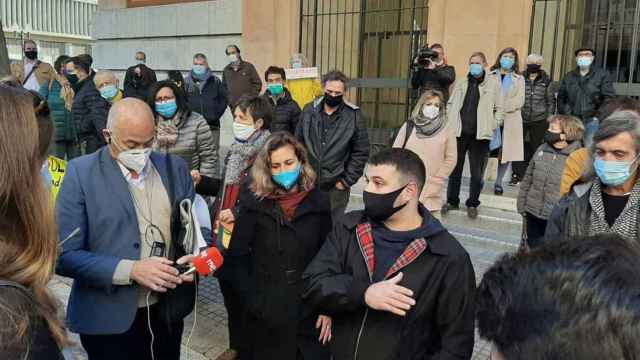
<point x="176" y="304"/>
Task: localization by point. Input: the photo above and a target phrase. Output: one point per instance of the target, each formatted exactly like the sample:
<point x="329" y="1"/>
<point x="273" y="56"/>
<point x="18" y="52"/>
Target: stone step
<point x="491" y="241"/>
<point x="493" y="220"/>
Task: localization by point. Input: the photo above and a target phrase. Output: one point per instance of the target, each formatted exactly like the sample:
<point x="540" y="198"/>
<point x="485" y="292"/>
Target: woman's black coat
<point x="272" y="253"/>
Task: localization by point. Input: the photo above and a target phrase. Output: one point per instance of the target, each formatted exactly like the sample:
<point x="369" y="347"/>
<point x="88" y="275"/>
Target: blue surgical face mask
<point x="613" y="173"/>
<point x="287" y="179"/>
<point x="506" y="63"/>
<point x="108" y="92"/>
<point x="199" y="69"/>
<point x="584" y="62"/>
<point x="167" y="109"/>
<point x="476" y="69"/>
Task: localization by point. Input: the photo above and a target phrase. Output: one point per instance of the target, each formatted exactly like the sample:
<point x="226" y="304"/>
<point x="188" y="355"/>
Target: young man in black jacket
<point x="396" y="284"/>
<point x="89" y="109"/>
<point x="285" y="110"/>
<point x="583" y="90"/>
<point x="335" y="134"/>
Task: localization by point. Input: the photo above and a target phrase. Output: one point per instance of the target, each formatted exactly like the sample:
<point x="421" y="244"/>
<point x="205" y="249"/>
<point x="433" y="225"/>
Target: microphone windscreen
<point x="208" y="261"/>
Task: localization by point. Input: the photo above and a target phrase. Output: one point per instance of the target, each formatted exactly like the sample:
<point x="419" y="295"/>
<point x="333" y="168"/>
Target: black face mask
<point x="379" y="207"/>
<point x="73" y="78"/>
<point x="533" y="68"/>
<point x="551" y="137"/>
<point x="332" y="101"/>
<point x="31" y="55"/>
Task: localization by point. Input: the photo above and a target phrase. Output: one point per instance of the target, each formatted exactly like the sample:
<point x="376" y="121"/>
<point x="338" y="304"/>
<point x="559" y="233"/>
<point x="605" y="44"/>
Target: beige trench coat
<point x="512" y="133"/>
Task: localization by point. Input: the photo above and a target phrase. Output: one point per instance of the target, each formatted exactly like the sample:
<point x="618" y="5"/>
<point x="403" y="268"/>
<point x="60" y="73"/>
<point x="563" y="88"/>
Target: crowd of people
<point x="140" y="191"/>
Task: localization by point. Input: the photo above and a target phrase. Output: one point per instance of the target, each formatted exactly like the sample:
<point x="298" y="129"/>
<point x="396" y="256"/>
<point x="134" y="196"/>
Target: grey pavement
<point x="495" y="232"/>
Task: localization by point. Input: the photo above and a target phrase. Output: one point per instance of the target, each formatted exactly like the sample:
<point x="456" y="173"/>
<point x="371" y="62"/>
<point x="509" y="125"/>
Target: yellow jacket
<point x="56" y="170"/>
<point x="573" y="169"/>
<point x="304" y="91"/>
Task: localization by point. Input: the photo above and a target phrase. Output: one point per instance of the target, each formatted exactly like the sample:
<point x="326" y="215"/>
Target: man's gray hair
<point x="618" y="123"/>
<point x="102" y="73"/>
<point x="534" y="58"/>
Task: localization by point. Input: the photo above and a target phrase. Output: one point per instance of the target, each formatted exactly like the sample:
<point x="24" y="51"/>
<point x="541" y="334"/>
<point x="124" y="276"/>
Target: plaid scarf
<point x="167" y="130"/>
<point x="626" y="225"/>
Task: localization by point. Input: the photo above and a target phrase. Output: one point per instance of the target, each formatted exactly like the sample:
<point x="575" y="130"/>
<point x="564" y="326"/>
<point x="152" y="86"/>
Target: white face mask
<point x="242" y="132"/>
<point x="233" y="58"/>
<point x="430" y="111"/>
<point x="135" y="160"/>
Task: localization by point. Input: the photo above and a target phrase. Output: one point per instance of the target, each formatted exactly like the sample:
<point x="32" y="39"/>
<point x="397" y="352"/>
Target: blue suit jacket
<point x="95" y="198"/>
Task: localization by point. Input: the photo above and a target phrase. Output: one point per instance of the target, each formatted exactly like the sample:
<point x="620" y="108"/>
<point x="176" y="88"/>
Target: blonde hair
<point x="261" y="183"/>
<point x="571" y="126"/>
<point x="28" y="235"/>
<point x="428" y="94"/>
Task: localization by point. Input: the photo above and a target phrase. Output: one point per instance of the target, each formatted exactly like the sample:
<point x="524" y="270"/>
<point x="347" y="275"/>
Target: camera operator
<point x="431" y="72"/>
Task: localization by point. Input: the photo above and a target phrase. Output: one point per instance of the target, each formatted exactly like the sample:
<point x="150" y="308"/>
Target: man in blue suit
<point x="124" y="200"/>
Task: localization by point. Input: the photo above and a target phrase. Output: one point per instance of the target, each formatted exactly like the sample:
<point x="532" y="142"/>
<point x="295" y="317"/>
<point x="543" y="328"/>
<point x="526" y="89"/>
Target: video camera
<point x="426" y="55"/>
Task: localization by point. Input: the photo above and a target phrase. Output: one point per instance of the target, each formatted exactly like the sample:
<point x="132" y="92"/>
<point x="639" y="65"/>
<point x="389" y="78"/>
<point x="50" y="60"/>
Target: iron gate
<point x="372" y="42"/>
<point x="610" y="27"/>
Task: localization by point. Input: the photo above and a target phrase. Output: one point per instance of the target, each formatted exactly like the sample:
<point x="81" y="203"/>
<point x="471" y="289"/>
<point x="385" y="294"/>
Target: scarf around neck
<point x="167" y="130"/>
<point x="425" y="127"/>
<point x="240" y="156"/>
<point x="626" y="225"/>
<point x="507" y="81"/>
<point x="289" y="201"/>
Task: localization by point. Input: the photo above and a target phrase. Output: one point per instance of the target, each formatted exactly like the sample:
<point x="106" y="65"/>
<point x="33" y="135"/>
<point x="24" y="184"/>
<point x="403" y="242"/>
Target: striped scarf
<point x="626" y="225"/>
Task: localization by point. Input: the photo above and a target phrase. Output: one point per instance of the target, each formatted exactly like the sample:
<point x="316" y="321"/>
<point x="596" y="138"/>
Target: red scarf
<point x="289" y="202"/>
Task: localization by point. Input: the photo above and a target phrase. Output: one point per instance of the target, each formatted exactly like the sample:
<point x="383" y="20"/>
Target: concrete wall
<point x="464" y="26"/>
<point x="168" y="34"/>
<point x="269" y="32"/>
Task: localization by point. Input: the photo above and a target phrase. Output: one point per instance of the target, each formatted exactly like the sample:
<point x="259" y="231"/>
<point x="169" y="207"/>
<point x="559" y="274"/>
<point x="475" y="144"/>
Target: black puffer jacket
<point x="439" y="79"/>
<point x="539" y="100"/>
<point x="339" y="152"/>
<point x="438" y="271"/>
<point x="581" y="96"/>
<point x="89" y="110"/>
<point x="286" y="112"/>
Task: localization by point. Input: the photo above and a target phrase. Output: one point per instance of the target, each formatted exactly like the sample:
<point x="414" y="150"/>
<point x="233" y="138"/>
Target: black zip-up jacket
<point x="438" y="271"/>
<point x="211" y="101"/>
<point x="439" y="79"/>
<point x="581" y="96"/>
<point x="339" y="151"/>
<point x="286" y="112"/>
<point x="89" y="110"/>
<point x="138" y="86"/>
<point x="539" y="100"/>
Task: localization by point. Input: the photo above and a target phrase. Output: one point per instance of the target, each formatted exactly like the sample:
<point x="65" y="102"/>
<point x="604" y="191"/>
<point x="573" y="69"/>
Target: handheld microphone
<point x="206" y="263"/>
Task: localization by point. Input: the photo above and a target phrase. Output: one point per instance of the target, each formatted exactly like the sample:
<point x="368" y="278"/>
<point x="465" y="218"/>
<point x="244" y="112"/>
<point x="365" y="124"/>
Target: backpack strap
<point x="408" y="130"/>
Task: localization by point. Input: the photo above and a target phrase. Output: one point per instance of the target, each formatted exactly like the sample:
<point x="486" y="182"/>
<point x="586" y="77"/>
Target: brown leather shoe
<point x="228" y="354"/>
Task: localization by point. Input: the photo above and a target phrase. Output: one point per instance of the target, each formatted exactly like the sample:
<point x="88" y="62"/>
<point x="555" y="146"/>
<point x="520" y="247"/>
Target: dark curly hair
<point x="181" y="97"/>
<point x="576" y="299"/>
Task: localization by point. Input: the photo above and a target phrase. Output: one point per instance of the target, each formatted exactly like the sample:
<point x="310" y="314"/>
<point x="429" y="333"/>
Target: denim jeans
<point x="590" y="128"/>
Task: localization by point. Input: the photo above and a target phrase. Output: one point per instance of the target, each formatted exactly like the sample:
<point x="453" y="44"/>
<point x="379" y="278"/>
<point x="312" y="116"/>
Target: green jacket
<point x="65" y="129"/>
